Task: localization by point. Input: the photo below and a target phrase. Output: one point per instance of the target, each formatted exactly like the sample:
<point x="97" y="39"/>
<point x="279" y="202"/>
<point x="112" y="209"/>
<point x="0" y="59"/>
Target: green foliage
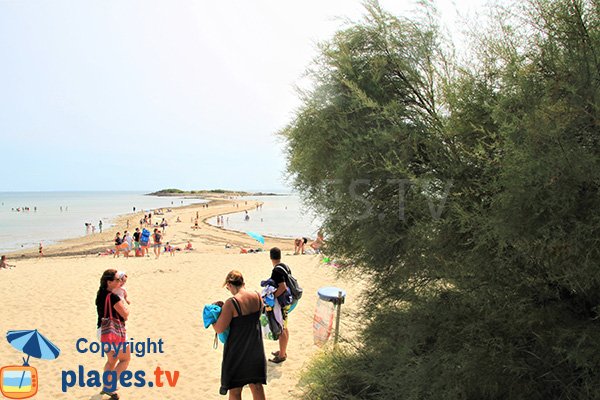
<point x="468" y="198"/>
<point x="170" y="191"/>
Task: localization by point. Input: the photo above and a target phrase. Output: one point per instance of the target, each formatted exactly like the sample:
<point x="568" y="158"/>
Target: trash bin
<point x="330" y="299"/>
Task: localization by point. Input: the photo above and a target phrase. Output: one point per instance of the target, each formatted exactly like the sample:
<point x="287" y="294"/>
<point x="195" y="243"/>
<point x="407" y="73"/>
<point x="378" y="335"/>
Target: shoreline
<point x="96" y="243"/>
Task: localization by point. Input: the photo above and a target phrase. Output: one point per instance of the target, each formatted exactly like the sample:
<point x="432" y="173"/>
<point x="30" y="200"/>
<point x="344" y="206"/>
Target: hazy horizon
<point x="124" y="95"/>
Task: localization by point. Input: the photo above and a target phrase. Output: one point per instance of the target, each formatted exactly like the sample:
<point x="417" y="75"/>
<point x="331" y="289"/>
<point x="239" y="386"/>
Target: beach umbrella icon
<point x="34" y="344"/>
<point x="256" y="237"/>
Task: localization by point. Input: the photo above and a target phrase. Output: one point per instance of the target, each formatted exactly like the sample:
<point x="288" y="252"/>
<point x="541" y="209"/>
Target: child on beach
<point x="120" y="290"/>
<point x="170" y="249"/>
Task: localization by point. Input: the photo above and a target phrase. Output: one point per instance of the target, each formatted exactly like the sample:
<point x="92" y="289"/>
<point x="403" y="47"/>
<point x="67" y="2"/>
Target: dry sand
<point x="55" y="294"/>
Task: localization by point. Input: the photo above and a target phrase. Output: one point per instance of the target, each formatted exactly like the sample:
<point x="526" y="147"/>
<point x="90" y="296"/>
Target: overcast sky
<point x="144" y="95"/>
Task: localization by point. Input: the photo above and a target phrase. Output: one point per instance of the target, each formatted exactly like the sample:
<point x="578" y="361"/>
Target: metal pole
<point x="337" y="319"/>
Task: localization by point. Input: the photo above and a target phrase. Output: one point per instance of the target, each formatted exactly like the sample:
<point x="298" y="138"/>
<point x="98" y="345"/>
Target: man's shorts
<point x="284" y="314"/>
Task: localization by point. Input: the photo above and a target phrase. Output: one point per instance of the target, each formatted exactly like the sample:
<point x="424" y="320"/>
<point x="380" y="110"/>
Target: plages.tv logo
<point x="21" y="381"/>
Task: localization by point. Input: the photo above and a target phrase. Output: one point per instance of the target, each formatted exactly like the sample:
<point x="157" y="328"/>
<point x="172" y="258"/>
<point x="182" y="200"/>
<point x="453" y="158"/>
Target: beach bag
<point x="290" y="281"/>
<point x="112" y="330"/>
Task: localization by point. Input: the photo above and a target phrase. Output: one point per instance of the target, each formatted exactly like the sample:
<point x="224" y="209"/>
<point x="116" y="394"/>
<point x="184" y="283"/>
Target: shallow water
<point x="281" y="216"/>
<point x="55" y="216"/>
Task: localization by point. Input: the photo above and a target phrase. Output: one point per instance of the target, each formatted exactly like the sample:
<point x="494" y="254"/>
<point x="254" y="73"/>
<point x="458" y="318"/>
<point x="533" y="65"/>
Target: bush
<point x="467" y="198"/>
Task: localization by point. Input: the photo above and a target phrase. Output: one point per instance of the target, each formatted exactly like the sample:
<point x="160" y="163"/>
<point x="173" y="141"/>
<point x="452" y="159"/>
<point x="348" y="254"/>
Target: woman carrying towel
<point x="244" y="360"/>
<point x="109" y="282"/>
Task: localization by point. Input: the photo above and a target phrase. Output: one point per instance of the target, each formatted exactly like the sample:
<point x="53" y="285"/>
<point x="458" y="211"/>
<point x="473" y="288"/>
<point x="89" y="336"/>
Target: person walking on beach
<point x="136" y="240"/>
<point x="278" y="277"/>
<point x="4" y="264"/>
<point x="118" y="310"/>
<point x="41" y="250"/>
<point x="156" y="237"/>
<point x="100" y="226"/>
<point x="244" y="355"/>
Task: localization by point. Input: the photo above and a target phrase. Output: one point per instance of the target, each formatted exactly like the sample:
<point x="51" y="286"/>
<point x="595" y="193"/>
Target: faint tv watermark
<point x="364" y="193"/>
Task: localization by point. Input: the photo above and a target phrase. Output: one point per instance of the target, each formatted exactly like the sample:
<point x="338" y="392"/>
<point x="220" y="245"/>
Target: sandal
<point x="278" y="359"/>
<point x="112" y="395"/>
<point x="275" y="353"/>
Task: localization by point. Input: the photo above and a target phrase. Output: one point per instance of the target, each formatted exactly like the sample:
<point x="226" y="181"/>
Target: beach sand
<point x="55" y="294"/>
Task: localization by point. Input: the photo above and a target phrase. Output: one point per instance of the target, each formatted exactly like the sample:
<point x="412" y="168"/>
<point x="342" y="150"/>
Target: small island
<point x="206" y="193"/>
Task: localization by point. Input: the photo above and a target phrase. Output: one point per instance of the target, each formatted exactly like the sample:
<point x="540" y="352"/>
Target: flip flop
<point x="278" y="359"/>
<point x="112" y="395"/>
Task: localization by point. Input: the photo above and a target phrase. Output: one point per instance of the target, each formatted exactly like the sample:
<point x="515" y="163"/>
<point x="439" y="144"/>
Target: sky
<point x="144" y="94"/>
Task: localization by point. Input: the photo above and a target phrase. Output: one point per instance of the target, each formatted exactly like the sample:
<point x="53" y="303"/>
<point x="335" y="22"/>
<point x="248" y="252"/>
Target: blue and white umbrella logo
<point x="32" y="343"/>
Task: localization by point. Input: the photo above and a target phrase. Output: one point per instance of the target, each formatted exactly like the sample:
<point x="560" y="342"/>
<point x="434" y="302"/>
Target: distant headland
<point x="207" y="193"/>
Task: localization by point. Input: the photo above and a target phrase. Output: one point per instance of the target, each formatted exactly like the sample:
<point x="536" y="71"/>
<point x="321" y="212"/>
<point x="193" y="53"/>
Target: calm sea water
<point x="281" y="216"/>
<point x="48" y="224"/>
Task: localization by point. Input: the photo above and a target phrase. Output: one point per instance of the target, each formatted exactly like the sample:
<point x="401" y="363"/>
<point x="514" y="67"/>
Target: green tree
<point x="468" y="198"/>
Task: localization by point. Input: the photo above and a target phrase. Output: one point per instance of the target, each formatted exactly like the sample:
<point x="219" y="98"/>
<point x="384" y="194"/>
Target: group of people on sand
<point x="316" y="245"/>
<point x="127" y="243"/>
<point x="244" y="361"/>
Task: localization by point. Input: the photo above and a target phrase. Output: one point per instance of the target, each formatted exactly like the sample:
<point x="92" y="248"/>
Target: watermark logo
<point x="110" y="380"/>
<point x="18" y="382"/>
<point x="21" y="382"/>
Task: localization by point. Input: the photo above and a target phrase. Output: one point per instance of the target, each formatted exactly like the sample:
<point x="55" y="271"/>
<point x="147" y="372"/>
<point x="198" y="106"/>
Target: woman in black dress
<point x="244" y="360"/>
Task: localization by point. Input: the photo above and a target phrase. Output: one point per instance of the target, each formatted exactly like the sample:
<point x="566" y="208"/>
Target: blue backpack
<point x="145" y="237"/>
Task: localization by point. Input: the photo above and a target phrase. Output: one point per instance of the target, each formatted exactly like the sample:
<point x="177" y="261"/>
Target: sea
<point x="56" y="216"/>
<point x="283" y="216"/>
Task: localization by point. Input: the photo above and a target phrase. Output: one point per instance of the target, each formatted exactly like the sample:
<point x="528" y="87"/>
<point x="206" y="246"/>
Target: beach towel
<point x="210" y="315"/>
<point x="271" y="320"/>
<point x="269" y="326"/>
<point x="284" y="299"/>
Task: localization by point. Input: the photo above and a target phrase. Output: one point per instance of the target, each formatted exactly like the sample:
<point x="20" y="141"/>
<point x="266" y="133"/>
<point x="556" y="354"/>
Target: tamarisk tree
<point x="467" y="198"/>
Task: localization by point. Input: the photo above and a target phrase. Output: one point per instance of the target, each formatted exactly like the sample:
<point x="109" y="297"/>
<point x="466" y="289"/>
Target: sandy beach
<point x="55" y="294"/>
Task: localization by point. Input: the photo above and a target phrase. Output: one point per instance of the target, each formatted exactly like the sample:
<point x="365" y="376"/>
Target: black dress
<point x="244" y="355"/>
